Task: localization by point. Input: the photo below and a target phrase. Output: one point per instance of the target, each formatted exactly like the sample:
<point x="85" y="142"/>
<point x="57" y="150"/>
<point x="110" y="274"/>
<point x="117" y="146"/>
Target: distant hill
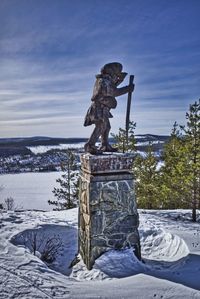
<point x="38" y="140"/>
<point x="18" y="146"/>
<point x="157" y="140"/>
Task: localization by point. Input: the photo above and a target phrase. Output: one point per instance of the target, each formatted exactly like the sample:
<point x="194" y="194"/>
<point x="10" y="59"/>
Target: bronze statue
<point x="103" y="99"/>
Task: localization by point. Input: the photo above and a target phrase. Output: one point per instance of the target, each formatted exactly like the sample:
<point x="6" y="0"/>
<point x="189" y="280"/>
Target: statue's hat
<point x="112" y="68"/>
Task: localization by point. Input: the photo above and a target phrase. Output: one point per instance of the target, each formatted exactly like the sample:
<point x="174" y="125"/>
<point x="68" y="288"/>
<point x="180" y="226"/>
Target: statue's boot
<point x="92" y="149"/>
<point x="107" y="148"/>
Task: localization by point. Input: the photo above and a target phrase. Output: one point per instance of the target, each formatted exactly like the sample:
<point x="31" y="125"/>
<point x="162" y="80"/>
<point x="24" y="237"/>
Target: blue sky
<point x="50" y="51"/>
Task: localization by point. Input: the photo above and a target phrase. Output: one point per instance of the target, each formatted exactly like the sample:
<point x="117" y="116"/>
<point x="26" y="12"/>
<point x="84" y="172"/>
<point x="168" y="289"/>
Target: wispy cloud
<point x="50" y="52"/>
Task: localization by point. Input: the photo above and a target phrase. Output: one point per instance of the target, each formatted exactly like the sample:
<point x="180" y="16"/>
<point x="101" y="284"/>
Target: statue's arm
<point x="122" y="90"/>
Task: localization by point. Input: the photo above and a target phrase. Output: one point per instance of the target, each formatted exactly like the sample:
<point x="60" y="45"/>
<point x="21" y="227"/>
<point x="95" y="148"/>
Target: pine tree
<point x="147" y="179"/>
<point x="67" y="194"/>
<point x="181" y="171"/>
<point x="121" y="139"/>
<point x="192" y="144"/>
<point x="174" y="189"/>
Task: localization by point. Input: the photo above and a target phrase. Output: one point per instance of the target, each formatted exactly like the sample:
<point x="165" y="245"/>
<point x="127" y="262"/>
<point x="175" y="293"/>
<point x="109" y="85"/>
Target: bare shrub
<point x="1" y="204"/>
<point x="51" y="248"/>
<point x="9" y="204"/>
<point x="48" y="246"/>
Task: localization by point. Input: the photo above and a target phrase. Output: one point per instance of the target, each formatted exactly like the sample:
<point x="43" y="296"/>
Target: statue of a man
<point x="103" y="99"/>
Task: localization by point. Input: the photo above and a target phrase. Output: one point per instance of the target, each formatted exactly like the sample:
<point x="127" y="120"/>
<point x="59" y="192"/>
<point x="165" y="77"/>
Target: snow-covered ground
<point x="149" y="142"/>
<point x="45" y="148"/>
<point x="39" y="149"/>
<point x="170" y="252"/>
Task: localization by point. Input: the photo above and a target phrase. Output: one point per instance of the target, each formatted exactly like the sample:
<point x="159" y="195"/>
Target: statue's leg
<point x="90" y="145"/>
<point x="105" y="132"/>
<point x="95" y="135"/>
<point x="105" y="146"/>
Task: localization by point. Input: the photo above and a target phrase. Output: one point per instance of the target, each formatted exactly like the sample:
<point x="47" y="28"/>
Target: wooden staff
<point x="128" y="108"/>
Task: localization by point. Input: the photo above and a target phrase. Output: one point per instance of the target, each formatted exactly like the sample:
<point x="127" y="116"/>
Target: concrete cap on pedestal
<point x="107" y="163"/>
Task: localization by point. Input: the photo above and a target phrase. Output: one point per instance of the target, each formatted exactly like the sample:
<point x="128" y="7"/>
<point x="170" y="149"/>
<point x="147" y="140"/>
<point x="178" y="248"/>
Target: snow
<point x="170" y="253"/>
<point x="40" y="149"/>
<point x="149" y="142"/>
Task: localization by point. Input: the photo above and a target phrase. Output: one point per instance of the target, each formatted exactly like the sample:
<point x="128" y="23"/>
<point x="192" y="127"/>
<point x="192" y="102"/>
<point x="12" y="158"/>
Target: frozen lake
<point x="30" y="190"/>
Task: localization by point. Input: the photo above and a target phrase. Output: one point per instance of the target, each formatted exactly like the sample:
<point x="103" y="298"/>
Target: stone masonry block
<point x="108" y="215"/>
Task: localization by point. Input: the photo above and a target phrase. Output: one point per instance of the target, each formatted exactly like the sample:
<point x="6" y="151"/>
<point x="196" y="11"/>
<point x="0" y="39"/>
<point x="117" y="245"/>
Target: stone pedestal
<point x="108" y="215"/>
